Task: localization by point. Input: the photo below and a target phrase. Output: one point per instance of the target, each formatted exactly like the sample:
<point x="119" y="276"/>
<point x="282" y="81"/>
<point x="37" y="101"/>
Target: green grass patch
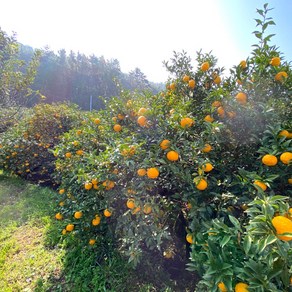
<point x="33" y="258"/>
<point x="25" y="233"/>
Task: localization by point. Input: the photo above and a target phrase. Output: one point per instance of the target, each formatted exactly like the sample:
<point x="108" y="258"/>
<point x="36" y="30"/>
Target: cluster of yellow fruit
<point x="239" y="287"/>
<point x="272" y="160"/>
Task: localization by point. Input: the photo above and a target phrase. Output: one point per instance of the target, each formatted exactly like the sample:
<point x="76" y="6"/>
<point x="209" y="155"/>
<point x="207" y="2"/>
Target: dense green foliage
<point x="75" y="77"/>
<point x="26" y="149"/>
<point x="16" y="78"/>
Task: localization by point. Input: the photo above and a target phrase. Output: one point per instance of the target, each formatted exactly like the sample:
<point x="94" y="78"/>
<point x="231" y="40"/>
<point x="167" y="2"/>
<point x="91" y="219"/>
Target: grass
<point x="33" y="258"/>
<point x="25" y="219"/>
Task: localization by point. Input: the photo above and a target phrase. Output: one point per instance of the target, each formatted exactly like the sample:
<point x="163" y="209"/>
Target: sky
<point x="143" y="34"/>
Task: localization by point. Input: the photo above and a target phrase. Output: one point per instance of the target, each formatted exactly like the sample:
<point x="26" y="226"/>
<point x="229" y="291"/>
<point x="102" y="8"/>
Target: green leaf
<point x="247" y="244"/>
<point x="235" y="222"/>
<point x="225" y="240"/>
<point x="271" y="239"/>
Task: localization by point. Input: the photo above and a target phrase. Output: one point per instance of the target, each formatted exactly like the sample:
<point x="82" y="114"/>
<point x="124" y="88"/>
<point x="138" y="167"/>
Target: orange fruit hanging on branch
<point x="241" y="98"/>
<point x="260" y="184"/>
<point x="269" y="160"/>
<point x="192" y="83"/>
<point x="152" y="172"/>
<point x="205" y="66"/>
<point x="186" y="78"/>
<point x="281" y="76"/>
<point x="286" y="157"/>
<point x="117" y="128"/>
<point x="172" y="155"/>
<point x="186" y="122"/>
<point x="276" y="61"/>
<point x="164" y="144"/>
<point x="142" y="121"/>
<point x="282" y="225"/>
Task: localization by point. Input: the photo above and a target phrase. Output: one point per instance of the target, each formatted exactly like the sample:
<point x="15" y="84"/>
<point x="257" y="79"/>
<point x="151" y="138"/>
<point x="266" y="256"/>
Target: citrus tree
<point x="203" y="167"/>
<point x="26" y="148"/>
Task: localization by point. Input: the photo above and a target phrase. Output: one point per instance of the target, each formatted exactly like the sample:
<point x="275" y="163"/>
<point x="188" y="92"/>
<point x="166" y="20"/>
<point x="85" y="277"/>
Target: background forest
<point x="74" y="77"/>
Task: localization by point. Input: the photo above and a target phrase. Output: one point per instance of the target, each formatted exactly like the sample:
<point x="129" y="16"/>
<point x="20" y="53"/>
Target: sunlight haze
<point x="142" y="33"/>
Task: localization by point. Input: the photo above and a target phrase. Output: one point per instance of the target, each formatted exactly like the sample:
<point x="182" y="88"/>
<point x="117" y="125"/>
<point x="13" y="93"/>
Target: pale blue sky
<point x="143" y="33"/>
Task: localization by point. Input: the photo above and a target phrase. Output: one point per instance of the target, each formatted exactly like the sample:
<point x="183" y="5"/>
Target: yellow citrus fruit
<point x="68" y="155"/>
<point x="61" y="191"/>
<point x="286" y="157"/>
<point x="186" y="78"/>
<point x="201" y="184"/>
<point x="216" y="103"/>
<point x="269" y="160"/>
<point x="152" y="172"/>
<point x="88" y="185"/>
<point x="107" y="213"/>
<point x="205" y="66"/>
<point x="241" y="287"/>
<point x="96" y="221"/>
<point x="217" y="80"/>
<point x="192" y="83"/>
<point x="136" y="210"/>
<point x="221" y="111"/>
<point x="260" y="184"/>
<point x="94" y="181"/>
<point x="186" y="122"/>
<point x="78" y="215"/>
<point x="222" y="287"/>
<point x="207" y="167"/>
<point x="97" y="121"/>
<point x="276" y="61"/>
<point x="141" y="171"/>
<point x="142" y="121"/>
<point x="108" y="184"/>
<point x="117" y="128"/>
<point x="282" y="225"/>
<point x="189" y="238"/>
<point x="142" y="111"/>
<point x="284" y="133"/>
<point x="281" y="76"/>
<point x="290" y="181"/>
<point x="242" y="64"/>
<point x="147" y="209"/>
<point x="208" y="119"/>
<point x="172" y="156"/>
<point x="164" y="144"/>
<point x="207" y="148"/>
<point x="59" y="216"/>
<point x="79" y="152"/>
<point x="91" y="241"/>
<point x="241" y="98"/>
<point x="172" y="86"/>
<point x="70" y="227"/>
<point x="121" y="116"/>
<point x="131" y="203"/>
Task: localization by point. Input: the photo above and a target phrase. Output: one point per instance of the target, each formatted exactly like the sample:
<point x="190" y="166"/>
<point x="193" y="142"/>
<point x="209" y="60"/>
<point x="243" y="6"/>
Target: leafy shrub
<point x="26" y="147"/>
<point x="186" y="170"/>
